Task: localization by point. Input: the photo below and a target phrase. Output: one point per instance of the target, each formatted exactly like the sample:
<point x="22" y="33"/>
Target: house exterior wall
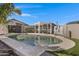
<point x="74" y="28"/>
<point x="16" y="26"/>
<point x="58" y="30"/>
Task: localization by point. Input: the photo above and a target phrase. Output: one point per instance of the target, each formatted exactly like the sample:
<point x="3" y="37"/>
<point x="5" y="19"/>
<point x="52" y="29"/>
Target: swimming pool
<point x="34" y="40"/>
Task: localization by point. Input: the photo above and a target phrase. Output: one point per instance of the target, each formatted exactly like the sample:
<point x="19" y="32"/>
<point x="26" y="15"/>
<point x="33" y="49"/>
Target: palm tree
<point x="6" y="9"/>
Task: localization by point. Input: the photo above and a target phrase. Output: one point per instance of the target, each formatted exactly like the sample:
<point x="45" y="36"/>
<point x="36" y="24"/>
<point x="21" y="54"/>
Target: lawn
<point x="70" y="52"/>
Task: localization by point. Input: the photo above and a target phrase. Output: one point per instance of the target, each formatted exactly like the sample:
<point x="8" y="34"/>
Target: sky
<point x="58" y="13"/>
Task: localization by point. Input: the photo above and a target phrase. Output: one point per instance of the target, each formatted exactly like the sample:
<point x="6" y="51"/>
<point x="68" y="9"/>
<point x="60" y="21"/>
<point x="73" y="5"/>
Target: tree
<point x="6" y="9"/>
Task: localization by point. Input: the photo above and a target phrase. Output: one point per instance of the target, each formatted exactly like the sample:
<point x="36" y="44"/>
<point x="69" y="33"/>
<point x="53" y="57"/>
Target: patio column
<point x="39" y="27"/>
<point x="47" y="28"/>
<point x="50" y="28"/>
<point x="66" y="31"/>
<point x="42" y="28"/>
<point x="35" y="28"/>
<point x="54" y="29"/>
<point x="22" y="29"/>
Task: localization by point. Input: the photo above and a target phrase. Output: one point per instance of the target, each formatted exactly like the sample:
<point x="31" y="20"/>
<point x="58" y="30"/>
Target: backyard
<point x="30" y="37"/>
<point x="70" y="52"/>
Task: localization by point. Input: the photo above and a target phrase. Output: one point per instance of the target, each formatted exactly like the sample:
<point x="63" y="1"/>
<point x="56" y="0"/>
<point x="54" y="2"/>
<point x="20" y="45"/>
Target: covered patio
<point x="41" y="27"/>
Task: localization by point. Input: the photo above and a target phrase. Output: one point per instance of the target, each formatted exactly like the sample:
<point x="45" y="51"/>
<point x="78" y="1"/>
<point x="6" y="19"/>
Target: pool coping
<point x="66" y="44"/>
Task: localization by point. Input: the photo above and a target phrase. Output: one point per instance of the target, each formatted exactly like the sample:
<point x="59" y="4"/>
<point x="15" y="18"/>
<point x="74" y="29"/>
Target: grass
<point x="75" y="49"/>
<point x="70" y="52"/>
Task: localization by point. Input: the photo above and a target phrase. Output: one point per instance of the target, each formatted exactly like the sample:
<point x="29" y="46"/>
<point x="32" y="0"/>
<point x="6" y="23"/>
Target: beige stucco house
<point x="71" y="29"/>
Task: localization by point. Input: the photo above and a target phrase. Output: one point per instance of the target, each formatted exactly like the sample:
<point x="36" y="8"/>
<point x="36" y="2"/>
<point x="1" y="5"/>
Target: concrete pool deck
<point x="27" y="50"/>
<point x="22" y="49"/>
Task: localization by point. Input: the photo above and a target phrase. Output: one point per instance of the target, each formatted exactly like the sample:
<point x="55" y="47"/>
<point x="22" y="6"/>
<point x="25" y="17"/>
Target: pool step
<point x="46" y="54"/>
<point x="5" y="50"/>
<point x="4" y="54"/>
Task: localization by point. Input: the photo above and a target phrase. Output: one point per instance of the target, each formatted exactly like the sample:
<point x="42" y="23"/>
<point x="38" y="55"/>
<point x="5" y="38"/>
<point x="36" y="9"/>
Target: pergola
<point x="41" y="27"/>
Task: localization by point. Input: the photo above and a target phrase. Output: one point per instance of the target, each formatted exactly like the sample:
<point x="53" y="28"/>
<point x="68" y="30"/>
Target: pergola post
<point x="39" y="27"/>
<point x="47" y="28"/>
<point x="50" y="28"/>
<point x="42" y="28"/>
<point x="22" y="29"/>
<point x="35" y="28"/>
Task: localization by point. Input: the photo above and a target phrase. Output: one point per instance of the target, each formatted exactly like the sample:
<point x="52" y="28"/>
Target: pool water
<point x="34" y="40"/>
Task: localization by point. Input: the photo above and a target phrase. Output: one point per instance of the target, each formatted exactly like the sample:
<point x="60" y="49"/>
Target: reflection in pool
<point x="36" y="39"/>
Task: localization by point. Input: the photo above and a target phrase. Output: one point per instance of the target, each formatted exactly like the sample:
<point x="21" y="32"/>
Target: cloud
<point x="34" y="6"/>
<point x="28" y="15"/>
